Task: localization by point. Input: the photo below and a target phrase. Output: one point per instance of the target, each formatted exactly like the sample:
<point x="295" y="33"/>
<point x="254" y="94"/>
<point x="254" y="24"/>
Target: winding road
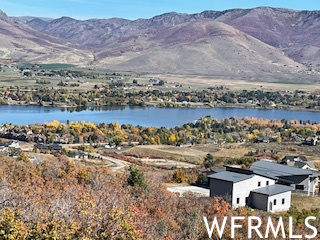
<point x="117" y="165"/>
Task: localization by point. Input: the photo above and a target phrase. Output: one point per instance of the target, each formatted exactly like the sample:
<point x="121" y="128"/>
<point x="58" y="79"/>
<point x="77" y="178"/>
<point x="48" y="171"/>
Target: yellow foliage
<point x="54" y="124"/>
<point x="173" y="139"/>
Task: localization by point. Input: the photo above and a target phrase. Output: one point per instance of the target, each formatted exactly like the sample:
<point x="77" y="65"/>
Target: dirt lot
<point x="196" y="154"/>
<point x="226" y="150"/>
<point x="189" y="155"/>
<point x="167" y="163"/>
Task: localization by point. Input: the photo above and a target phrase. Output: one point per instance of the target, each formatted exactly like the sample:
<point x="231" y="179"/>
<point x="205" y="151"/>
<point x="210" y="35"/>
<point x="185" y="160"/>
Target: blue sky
<point x="133" y="9"/>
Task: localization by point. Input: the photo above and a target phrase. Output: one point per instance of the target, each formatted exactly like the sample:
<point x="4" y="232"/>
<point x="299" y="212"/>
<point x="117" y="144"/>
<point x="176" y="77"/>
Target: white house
<point x="240" y="188"/>
<point x="13" y="144"/>
<point x="272" y="198"/>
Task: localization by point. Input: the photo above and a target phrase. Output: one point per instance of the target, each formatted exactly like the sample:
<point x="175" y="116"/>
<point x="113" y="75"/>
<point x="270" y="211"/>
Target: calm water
<point x="148" y="116"/>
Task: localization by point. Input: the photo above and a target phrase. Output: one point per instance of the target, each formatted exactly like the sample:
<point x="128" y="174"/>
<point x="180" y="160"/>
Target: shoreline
<point x="178" y="105"/>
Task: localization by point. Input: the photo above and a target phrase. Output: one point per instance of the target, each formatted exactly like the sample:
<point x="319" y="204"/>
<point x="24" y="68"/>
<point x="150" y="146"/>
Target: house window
<point x="275" y="202"/>
<point x="259" y="184"/>
<point x="283" y="201"/>
<point x="267" y="183"/>
<point x="238" y="200"/>
<point x="299" y="187"/>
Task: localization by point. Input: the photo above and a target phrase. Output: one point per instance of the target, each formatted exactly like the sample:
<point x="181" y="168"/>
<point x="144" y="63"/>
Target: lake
<point x="143" y="116"/>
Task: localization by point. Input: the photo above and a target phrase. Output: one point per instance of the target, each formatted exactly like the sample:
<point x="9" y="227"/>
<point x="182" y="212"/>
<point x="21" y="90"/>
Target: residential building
<point x="48" y="147"/>
<point x="243" y="187"/>
<point x="272" y="198"/>
<point x="299" y="162"/>
<point x="12" y="144"/>
<point x="263" y="140"/>
<point x="302" y="180"/>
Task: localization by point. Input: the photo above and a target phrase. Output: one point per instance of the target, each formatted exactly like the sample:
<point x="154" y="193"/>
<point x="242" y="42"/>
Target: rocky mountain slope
<point x="22" y="43"/>
<point x="198" y="47"/>
<point x="261" y="40"/>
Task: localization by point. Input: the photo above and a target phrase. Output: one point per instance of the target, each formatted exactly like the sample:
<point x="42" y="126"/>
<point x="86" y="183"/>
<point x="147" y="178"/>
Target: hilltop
<point x="262" y="42"/>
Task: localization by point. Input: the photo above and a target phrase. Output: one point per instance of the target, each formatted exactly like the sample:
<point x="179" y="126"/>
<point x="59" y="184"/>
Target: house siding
<point x="309" y="185"/>
<point x="279" y="206"/>
<point x="242" y="189"/>
<point x="219" y="188"/>
<point x="266" y="203"/>
<point x="259" y="201"/>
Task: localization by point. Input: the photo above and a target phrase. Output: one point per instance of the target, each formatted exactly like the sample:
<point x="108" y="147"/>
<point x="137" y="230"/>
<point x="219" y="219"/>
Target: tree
<point x="22" y="156"/>
<point x="208" y="161"/>
<point x="279" y="139"/>
<point x="117" y="140"/>
<point x="202" y="179"/>
<point x="136" y="178"/>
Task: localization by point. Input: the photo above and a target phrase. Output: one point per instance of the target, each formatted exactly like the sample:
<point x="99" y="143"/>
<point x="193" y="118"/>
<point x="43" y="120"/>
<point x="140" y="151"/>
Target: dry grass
<point x="305" y="202"/>
<point x="167" y="152"/>
<point x="196" y="153"/>
<point x="200" y="82"/>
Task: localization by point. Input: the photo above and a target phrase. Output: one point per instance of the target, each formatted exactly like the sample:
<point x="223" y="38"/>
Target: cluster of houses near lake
<point x="27" y="135"/>
<point x="266" y="185"/>
<point x="10" y="148"/>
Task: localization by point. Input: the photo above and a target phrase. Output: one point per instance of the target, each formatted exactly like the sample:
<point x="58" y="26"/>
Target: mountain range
<point x="259" y="41"/>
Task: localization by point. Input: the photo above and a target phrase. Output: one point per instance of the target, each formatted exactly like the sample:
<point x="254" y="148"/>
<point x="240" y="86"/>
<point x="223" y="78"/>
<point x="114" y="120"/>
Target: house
<point x="263" y="140"/>
<point x="55" y="147"/>
<point x="48" y="147"/>
<point x="272" y="198"/>
<point x="297" y="137"/>
<point x="12" y="144"/>
<point x="311" y="141"/>
<point x="302" y="180"/>
<point x="78" y="155"/>
<point x="243" y="187"/>
<point x="295" y="158"/>
<point x="299" y="162"/>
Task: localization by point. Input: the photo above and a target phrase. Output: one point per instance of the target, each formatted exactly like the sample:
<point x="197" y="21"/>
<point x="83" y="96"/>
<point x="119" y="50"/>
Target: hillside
<point x="294" y="32"/>
<point x="255" y="42"/>
<point x="22" y="43"/>
<point x="199" y="47"/>
<point x="297" y="33"/>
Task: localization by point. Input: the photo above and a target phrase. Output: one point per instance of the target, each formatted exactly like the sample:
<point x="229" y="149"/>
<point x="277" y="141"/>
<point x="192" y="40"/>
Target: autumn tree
<point x="22" y="156"/>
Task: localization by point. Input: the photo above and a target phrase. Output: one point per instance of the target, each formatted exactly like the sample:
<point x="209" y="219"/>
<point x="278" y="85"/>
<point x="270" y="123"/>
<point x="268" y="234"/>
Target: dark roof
<point x="295" y="158"/>
<point x="315" y="174"/>
<point x="217" y="170"/>
<point x="238" y="170"/>
<point x="265" y="174"/>
<point x="300" y="164"/>
<point x="230" y="176"/>
<point x="272" y="190"/>
<point x="243" y="171"/>
<point x="278" y="170"/>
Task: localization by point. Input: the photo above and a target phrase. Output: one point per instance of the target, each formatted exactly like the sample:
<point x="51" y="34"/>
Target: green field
<point x="53" y="66"/>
